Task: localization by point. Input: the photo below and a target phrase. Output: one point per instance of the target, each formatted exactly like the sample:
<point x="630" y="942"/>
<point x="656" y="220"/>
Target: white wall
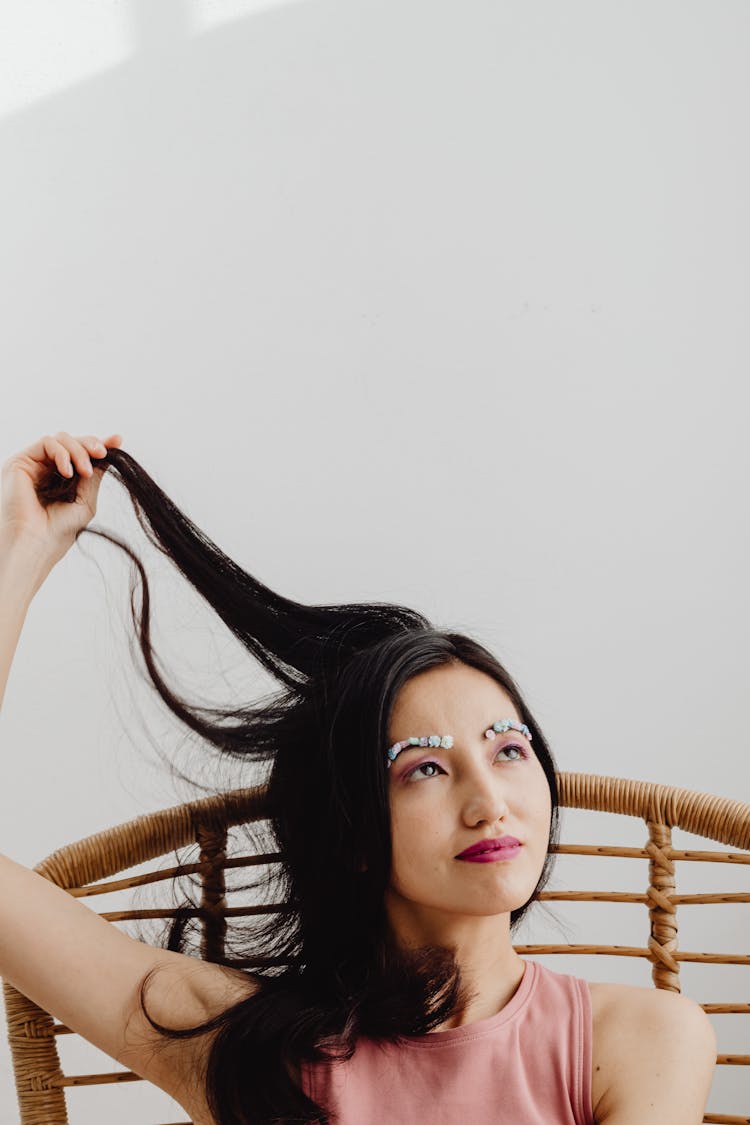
<point x="442" y="303"/>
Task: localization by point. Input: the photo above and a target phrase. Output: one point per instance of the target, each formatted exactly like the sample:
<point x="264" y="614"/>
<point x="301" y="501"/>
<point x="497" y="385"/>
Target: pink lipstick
<point x="489" y="851"/>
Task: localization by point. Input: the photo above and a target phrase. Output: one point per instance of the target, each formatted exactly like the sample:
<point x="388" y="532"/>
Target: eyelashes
<point x="523" y="753"/>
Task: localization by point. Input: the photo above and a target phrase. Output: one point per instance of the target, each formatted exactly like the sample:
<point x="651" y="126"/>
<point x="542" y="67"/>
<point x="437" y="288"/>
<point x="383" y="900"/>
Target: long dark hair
<point x="328" y="969"/>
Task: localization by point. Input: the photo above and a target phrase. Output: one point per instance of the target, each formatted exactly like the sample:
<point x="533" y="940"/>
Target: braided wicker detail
<point x="39" y="1027"/>
<point x="213" y="842"/>
<point x="662" y="942"/>
<point x="35" y="1060"/>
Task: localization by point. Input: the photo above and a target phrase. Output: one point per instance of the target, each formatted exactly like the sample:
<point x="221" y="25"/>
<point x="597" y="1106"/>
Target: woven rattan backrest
<point x="86" y="868"/>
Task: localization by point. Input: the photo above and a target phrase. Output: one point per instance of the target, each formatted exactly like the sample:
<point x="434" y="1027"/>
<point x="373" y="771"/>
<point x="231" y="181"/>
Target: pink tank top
<point x="530" y="1063"/>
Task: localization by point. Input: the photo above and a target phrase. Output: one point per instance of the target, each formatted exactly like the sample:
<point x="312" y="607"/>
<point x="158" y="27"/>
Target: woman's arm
<point x="48" y="494"/>
<point x="60" y="953"/>
<point x="19" y="580"/>
<point x="54" y="949"/>
<point x="86" y="973"/>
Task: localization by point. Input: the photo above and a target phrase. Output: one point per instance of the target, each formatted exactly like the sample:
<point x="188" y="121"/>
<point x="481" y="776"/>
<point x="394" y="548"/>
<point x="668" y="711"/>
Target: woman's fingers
<point x="111" y="442"/>
<point x="63" y="451"/>
<point x="76" y="451"/>
<point x="69" y="453"/>
<point x="54" y="450"/>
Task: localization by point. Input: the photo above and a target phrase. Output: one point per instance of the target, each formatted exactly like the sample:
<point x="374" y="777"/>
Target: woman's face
<point x="442" y="801"/>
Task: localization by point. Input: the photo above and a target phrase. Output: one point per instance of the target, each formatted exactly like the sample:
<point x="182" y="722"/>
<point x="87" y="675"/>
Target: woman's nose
<point x="485" y="800"/>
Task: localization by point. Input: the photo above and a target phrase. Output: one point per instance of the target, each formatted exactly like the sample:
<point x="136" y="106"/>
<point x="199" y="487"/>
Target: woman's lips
<point x="489" y="844"/>
<point x="492" y="856"/>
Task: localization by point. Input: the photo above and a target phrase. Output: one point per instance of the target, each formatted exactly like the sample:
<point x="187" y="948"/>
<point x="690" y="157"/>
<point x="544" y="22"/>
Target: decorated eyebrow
<point x="446" y="741"/>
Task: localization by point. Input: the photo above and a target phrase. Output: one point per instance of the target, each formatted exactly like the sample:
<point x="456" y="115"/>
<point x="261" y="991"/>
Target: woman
<point x="397" y="752"/>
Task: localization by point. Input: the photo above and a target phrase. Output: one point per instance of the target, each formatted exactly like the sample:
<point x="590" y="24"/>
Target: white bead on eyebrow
<point x="446" y="740"/>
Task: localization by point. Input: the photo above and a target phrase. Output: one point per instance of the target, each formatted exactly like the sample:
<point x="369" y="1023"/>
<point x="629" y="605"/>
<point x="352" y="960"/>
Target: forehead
<point x="447" y="699"/>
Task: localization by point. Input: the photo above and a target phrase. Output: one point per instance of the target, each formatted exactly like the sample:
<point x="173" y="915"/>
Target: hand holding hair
<point x="49" y="491"/>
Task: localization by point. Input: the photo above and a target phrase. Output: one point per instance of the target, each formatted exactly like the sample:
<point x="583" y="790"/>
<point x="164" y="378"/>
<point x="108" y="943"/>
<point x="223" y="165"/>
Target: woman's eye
<point x="423" y="767"/>
<point x="514" y="752"/>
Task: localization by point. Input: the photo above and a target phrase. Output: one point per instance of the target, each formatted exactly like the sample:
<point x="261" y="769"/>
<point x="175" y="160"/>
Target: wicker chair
<point x="40" y="1081"/>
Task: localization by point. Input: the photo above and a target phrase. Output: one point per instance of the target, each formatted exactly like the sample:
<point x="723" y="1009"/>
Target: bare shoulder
<point x="654" y="1054"/>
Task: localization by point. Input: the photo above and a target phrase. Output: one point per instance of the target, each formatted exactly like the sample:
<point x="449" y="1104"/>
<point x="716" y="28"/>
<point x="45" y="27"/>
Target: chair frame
<point x="79" y="868"/>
